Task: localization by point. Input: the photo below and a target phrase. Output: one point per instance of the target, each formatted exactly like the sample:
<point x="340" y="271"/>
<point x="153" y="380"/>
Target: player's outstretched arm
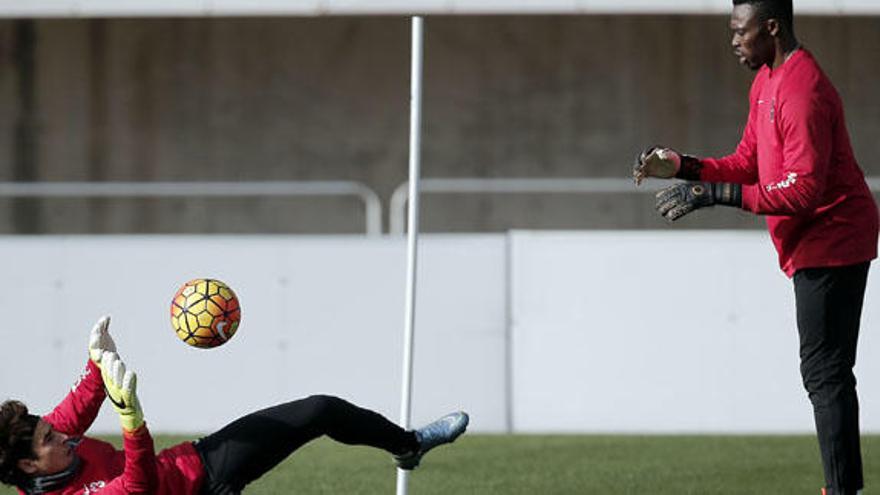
<point x="140" y="474"/>
<point x="76" y="413"/>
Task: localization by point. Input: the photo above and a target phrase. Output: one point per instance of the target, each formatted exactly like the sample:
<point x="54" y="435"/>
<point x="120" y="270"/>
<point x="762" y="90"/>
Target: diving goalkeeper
<point x="50" y="454"/>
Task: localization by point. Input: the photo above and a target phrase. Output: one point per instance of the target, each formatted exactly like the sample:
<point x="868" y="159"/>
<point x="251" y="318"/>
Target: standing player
<point x="50" y="455"/>
<point x="795" y="165"/>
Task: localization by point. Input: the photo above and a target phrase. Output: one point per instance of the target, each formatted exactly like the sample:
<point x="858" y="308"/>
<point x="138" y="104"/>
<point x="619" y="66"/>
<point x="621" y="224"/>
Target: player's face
<point x="752" y="43"/>
<point x="52" y="452"/>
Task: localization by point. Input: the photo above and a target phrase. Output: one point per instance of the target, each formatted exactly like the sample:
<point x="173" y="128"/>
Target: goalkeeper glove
<point x="121" y="387"/>
<point x="656" y="161"/>
<point x="100" y="340"/>
<point x="677" y="201"/>
<point x="665" y="163"/>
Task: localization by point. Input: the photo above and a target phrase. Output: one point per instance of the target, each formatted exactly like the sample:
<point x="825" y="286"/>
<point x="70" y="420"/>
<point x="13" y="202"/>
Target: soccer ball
<point x="205" y="313"/>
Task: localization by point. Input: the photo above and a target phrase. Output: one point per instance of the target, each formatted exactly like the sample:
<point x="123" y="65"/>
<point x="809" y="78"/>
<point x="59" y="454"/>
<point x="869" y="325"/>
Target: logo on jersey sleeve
<point x="790" y="179"/>
<point x="93" y="487"/>
<point x="86" y="372"/>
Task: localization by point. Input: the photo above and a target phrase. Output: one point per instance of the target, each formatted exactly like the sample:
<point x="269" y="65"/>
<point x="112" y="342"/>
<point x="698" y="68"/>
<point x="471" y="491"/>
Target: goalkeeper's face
<point x="52" y="453"/>
<point x="752" y="40"/>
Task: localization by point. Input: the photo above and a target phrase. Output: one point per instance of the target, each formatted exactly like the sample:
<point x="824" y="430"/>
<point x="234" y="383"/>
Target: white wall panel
<point x="37" y="8"/>
<point x="605" y="338"/>
<point x="263" y="7"/>
<point x="653" y="7"/>
<point x="859" y="7"/>
<point x="320" y="315"/>
<point x="518" y="6"/>
<point x="105" y="8"/>
<point x="115" y="8"/>
<point x="357" y="7"/>
<point x="662" y="332"/>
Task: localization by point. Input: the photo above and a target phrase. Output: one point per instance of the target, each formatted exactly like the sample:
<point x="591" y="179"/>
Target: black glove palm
<point x="680" y="199"/>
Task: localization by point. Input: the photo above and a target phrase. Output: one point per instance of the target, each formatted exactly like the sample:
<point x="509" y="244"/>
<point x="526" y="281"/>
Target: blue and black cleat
<point x="444" y="430"/>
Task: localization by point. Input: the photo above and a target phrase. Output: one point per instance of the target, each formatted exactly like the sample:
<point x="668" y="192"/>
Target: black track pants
<point x="249" y="447"/>
<point x="829" y="307"/>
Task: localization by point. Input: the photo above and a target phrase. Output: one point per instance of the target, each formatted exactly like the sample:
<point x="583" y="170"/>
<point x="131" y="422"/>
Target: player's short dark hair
<point x="780" y="10"/>
<point x="17" y="428"/>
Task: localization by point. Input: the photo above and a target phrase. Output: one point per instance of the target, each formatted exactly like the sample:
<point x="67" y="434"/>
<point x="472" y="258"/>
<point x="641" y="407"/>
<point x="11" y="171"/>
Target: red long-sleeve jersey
<point x="797" y="167"/>
<point x="107" y="471"/>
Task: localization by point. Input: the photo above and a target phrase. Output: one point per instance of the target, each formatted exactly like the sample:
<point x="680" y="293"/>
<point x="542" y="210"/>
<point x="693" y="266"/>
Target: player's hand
<point x="121" y="386"/>
<point x="677" y="201"/>
<point x="656" y="161"/>
<point x="100" y="340"/>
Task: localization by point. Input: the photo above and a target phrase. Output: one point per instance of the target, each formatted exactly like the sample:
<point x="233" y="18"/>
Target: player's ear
<point x="27" y="466"/>
<point x="773" y="27"/>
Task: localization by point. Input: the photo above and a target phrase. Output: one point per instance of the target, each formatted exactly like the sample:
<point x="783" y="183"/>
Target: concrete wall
<point x="532" y="332"/>
<point x="327" y="98"/>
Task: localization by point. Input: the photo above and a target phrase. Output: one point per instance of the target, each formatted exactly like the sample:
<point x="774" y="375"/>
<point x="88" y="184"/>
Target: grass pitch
<point x="567" y="464"/>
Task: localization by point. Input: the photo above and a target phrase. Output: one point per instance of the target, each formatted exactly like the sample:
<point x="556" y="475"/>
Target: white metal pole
<point x="415" y="117"/>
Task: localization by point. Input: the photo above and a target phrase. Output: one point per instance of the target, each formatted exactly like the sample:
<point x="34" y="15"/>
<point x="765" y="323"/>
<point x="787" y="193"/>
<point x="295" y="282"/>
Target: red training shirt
<point x="797" y="167"/>
<point x="107" y="471"/>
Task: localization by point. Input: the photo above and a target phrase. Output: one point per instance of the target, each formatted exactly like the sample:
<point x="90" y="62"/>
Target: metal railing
<point x="481" y="185"/>
<point x="371" y="201"/>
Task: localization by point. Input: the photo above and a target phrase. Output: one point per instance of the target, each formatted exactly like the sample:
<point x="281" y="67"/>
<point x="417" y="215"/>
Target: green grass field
<point x="568" y="464"/>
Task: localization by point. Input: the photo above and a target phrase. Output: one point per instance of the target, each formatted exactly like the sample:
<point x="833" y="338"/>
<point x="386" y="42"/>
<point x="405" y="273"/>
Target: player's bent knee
<point x="322" y="405"/>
